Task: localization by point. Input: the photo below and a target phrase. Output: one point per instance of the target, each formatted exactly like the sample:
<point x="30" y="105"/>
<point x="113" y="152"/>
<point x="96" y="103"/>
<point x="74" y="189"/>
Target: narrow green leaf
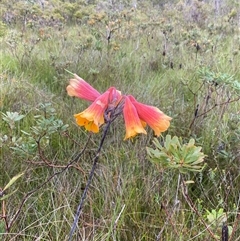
<point x="14" y="179"/>
<point x="8" y="195"/>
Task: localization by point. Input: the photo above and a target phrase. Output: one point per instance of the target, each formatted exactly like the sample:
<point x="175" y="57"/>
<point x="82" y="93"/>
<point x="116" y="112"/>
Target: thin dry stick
<point x="235" y="227"/>
<point x="211" y="108"/>
<point x="119" y="215"/>
<point x="48" y="163"/>
<point x="116" y="222"/>
<point x="4" y="216"/>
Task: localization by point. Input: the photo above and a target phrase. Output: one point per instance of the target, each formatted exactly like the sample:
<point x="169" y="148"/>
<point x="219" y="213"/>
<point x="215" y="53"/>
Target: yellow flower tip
<point x="133" y="123"/>
<point x="132" y="132"/>
<point x="144" y="124"/>
<point x="92" y="127"/>
<point x="93" y="117"/>
<point x="87" y="123"/>
<point x="161" y="126"/>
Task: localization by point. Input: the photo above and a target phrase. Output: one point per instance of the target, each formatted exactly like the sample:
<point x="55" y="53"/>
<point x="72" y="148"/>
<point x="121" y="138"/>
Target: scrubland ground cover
<point x="181" y="56"/>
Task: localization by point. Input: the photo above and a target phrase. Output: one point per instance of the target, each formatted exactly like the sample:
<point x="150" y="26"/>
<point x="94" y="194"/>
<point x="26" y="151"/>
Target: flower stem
<point x="95" y="161"/>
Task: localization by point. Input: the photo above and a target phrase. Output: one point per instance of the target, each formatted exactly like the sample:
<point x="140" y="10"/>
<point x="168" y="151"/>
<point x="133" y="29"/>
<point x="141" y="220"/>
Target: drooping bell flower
<point x="110" y="104"/>
<point x="133" y="123"/>
<point x="93" y="117"/>
<point x="80" y="88"/>
<point x="155" y="118"/>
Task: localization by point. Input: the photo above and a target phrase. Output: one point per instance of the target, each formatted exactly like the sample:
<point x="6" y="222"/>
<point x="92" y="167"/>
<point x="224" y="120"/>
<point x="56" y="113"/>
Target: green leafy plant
<point x="173" y="154"/>
<point x="46" y="124"/>
<point x="11" y="117"/>
<point x="219" y="79"/>
<point x="216" y="216"/>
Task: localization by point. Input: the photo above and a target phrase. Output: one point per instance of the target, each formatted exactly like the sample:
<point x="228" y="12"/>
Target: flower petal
<point x="81" y="89"/>
<point x="155" y="118"/>
<point x="93" y="116"/>
<point x="89" y="125"/>
<point x="132" y="122"/>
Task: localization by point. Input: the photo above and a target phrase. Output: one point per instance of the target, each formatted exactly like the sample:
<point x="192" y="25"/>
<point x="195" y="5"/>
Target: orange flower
<point x="155" y="118"/>
<point x="110" y="104"/>
<point x="93" y="116"/>
<point x="81" y="89"/>
<point x="132" y="122"/>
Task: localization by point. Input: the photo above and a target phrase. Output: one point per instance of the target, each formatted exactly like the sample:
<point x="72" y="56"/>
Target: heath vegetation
<point x="182" y="57"/>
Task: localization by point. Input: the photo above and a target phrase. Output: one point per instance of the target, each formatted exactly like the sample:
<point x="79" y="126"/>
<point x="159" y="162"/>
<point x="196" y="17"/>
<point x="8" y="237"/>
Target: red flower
<point x="132" y="122"/>
<point x="155" y="118"/>
<point x="93" y="117"/>
<point x="136" y="114"/>
<point x="81" y="89"/>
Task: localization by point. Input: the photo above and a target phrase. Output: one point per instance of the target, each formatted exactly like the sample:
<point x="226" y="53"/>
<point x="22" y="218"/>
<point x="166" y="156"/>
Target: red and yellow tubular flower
<point x="93" y="117"/>
<point x="132" y="122"/>
<point x="155" y="118"/>
<point x="80" y="88"/>
<point x="136" y="115"/>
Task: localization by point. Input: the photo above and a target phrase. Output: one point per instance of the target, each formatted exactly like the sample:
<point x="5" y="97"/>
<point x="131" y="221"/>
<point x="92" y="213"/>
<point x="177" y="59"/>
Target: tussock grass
<point x="130" y="198"/>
